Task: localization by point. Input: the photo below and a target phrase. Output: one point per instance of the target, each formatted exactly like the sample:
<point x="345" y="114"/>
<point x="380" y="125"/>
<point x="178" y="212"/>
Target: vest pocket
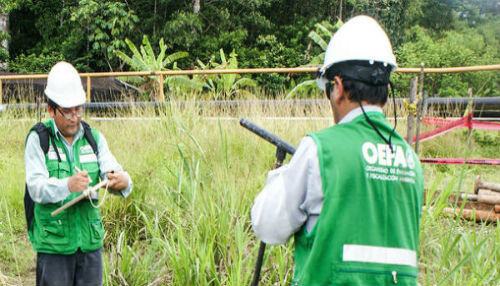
<point x="96" y="231"/>
<point x="93" y="170"/>
<point x="54" y="232"/>
<point x="92" y="227"/>
<point x="58" y="169"/>
<point x="362" y="276"/>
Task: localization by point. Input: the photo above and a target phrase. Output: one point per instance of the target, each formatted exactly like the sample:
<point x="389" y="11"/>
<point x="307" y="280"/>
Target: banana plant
<point x="321" y="35"/>
<point x="226" y="85"/>
<point x="144" y="59"/>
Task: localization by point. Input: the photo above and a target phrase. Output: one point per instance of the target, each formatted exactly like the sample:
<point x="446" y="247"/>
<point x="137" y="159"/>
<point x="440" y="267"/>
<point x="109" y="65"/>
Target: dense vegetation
<point x="187" y="220"/>
<point x="257" y="33"/>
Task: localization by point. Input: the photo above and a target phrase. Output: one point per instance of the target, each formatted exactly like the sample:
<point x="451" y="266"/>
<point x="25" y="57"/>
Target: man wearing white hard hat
<point x="63" y="157"/>
<point x="352" y="193"/>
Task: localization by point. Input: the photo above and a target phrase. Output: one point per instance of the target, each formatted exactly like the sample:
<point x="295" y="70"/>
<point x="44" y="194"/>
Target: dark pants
<point x="77" y="269"/>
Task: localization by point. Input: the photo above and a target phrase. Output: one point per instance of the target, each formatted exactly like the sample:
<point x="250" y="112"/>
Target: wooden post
<point x="470" y="109"/>
<point x="419" y="105"/>
<point x="411" y="116"/>
<point x="162" y="95"/>
<point x="1" y="91"/>
<point x="88" y="89"/>
<point x="39" y="108"/>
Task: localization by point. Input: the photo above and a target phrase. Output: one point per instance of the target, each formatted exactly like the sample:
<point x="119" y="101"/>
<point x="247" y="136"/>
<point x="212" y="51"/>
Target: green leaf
<point x="305" y="85"/>
<point x="317" y="39"/>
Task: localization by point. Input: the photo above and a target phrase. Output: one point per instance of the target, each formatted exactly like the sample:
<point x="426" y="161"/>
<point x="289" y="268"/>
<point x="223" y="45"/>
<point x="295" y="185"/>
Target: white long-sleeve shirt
<point x="43" y="189"/>
<point x="293" y="195"/>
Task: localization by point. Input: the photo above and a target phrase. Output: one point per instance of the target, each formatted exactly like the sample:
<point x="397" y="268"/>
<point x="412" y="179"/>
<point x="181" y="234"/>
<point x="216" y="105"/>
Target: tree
<point x="271" y="33"/>
<point x="468" y="47"/>
<point x="103" y="25"/>
<point x="5" y="7"/>
<point x="196" y="6"/>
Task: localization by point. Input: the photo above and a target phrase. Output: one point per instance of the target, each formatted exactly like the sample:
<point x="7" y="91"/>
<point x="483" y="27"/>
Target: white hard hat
<point x="359" y="39"/>
<point x="64" y="86"/>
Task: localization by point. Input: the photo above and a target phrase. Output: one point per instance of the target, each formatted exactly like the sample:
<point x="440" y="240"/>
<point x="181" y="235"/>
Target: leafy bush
<point x="33" y="63"/>
<point x="469" y="47"/>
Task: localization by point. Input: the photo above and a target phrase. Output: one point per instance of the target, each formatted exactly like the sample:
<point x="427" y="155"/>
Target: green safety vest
<point x="367" y="231"/>
<point x="80" y="226"/>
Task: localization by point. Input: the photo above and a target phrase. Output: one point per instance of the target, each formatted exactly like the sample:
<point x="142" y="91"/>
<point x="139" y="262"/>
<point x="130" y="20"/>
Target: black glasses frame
<point x="328" y="88"/>
<point x="68" y="115"/>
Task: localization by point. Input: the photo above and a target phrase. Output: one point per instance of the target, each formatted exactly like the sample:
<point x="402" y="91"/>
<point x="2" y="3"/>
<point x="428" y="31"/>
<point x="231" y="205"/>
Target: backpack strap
<point x="87" y="133"/>
<point x="45" y="136"/>
<point x="43" y="133"/>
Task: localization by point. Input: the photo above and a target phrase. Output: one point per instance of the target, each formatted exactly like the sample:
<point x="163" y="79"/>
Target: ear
<point x="51" y="111"/>
<point x="338" y="94"/>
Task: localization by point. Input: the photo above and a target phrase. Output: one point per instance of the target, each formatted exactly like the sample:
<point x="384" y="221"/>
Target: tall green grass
<point x="195" y="176"/>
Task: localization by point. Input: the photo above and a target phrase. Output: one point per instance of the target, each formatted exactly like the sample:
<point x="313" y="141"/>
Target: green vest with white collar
<point x="368" y="230"/>
<point x="80" y="226"/>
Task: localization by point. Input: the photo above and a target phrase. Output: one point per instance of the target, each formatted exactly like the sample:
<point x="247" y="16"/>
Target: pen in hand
<point x="78" y="170"/>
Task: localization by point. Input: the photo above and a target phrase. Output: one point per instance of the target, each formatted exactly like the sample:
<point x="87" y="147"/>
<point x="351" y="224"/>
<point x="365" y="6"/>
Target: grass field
<point x="196" y="172"/>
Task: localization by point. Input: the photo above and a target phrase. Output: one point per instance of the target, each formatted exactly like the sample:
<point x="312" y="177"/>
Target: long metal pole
<point x="282" y="149"/>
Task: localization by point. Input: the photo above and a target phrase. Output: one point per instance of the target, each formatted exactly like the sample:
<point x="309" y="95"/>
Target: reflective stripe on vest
<point x="377" y="254"/>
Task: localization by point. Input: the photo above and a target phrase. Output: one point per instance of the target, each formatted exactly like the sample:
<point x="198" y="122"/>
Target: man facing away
<point x="352" y="193"/>
<point x="68" y="245"/>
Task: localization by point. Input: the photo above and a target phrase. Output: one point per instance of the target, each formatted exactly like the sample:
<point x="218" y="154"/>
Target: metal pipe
<point x="268" y="136"/>
<point x="460" y="161"/>
<point x="471" y="214"/>
<point x="483" y="196"/>
<point x="478" y="184"/>
<point x="203" y="103"/>
<point x="483" y="106"/>
<point x="477" y="215"/>
<point x="479" y="102"/>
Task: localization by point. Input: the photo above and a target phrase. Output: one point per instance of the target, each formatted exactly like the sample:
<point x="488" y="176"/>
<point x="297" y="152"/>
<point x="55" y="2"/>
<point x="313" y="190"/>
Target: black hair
<point x="363" y="80"/>
<point x="52" y="104"/>
<point x="359" y="91"/>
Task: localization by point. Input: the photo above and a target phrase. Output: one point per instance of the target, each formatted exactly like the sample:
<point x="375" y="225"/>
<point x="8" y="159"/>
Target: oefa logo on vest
<point x="382" y="154"/>
<point x="383" y="164"/>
